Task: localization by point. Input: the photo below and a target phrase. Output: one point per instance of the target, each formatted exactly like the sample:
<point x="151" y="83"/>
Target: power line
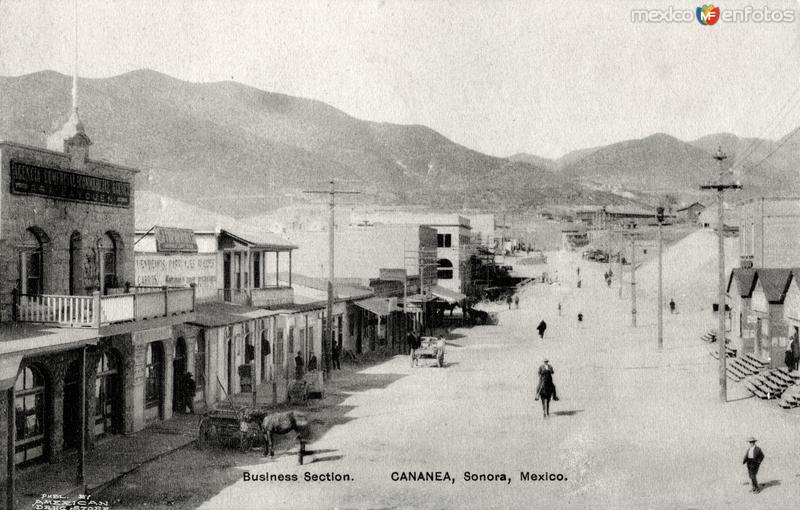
<point x="788" y="137"/>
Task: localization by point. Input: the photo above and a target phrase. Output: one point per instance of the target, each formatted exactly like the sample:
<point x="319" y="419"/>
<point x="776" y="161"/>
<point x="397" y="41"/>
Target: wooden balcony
<point x="116" y="313"/>
<point x="258" y="298"/>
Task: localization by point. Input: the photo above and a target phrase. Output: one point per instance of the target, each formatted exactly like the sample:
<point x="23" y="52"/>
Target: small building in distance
<point x="689" y="213"/>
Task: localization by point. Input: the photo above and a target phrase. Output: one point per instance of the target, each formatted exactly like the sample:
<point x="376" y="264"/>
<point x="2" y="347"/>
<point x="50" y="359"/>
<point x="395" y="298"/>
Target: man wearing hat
<point x="753" y="459"/>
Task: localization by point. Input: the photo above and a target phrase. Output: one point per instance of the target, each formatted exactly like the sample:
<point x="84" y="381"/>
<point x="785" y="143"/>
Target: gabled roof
<point x="775" y="282"/>
<point x="745" y="281"/>
<point x="691" y="205"/>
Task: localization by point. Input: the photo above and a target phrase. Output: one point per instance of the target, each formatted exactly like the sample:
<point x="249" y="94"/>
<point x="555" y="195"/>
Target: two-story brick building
<point x="70" y="316"/>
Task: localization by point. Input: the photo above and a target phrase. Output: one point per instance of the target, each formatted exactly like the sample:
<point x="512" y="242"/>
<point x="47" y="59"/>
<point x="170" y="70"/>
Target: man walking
<point x="413" y="344"/>
<point x="541" y="328"/>
<point x="753" y="459"/>
<point x="516" y="301"/>
<point x="189" y="391"/>
<point x="335" y="356"/>
<point x="509" y="300"/>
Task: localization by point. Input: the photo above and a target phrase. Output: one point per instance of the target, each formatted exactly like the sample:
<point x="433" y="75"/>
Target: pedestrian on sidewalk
<point x="516" y="301"/>
<point x="509" y="300"/>
<point x="541" y="328"/>
<point x="796" y="350"/>
<point x="189" y="389"/>
<point x="753" y="459"/>
<point x="413" y="344"/>
<point x="312" y="362"/>
<point x="298" y="366"/>
<point x="336" y="351"/>
<point x="788" y="358"/>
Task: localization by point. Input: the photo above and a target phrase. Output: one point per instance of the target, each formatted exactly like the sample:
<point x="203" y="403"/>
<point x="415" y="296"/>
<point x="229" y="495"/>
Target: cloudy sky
<point x="499" y="77"/>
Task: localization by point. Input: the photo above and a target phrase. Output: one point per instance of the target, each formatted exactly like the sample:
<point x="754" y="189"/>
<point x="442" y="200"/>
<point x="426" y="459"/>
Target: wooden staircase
<point x="744" y="366"/>
<point x="768" y="384"/>
<point x="709" y="336"/>
<point x="791" y="396"/>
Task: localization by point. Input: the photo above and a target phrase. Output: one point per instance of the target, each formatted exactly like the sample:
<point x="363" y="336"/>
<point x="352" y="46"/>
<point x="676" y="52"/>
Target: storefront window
<point x="106" y="392"/>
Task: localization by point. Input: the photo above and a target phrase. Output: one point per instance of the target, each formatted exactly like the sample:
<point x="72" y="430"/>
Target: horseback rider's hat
<point x="751" y="439"/>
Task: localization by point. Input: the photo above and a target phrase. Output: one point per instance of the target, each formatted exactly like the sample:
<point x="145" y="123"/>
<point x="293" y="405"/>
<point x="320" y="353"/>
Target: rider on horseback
<point x="546" y="385"/>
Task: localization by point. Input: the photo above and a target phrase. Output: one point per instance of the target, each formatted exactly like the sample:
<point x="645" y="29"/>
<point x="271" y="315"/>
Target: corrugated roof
<point x="745" y="279"/>
<point x="775" y="282"/>
<point x="342" y="287"/>
<point x="215" y="314"/>
<point x="379" y="306"/>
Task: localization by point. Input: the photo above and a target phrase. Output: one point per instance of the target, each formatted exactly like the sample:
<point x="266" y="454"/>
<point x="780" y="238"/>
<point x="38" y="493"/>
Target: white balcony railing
<point x="97" y="310"/>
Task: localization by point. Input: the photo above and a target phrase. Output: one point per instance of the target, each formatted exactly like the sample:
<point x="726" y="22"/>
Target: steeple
<point x="72" y="137"/>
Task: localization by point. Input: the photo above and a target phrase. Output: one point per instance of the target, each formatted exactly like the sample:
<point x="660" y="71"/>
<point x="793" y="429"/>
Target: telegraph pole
<point x="720" y="187"/>
<point x="328" y="333"/>
<point x="633" y="281"/>
<point x="660" y="219"/>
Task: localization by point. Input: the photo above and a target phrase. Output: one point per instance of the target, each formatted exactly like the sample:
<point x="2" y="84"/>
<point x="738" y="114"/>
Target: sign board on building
<point x="171" y="240"/>
<point x="177" y="270"/>
<point x="29" y="179"/>
<point x="746" y="261"/>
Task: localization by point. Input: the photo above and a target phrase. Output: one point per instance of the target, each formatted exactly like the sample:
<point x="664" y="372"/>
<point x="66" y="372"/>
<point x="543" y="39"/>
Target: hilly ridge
<point x="239" y="150"/>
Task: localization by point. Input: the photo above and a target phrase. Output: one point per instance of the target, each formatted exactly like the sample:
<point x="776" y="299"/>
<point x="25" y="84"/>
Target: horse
<point x="281" y="423"/>
<point x="546" y="391"/>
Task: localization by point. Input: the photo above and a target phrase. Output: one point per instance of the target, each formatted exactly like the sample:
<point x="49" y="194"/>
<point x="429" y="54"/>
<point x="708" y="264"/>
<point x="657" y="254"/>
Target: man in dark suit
<point x="753" y="459"/>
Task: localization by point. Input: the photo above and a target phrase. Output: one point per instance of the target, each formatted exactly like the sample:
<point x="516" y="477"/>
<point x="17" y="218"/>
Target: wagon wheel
<point x="207" y="434"/>
<point x="248" y="437"/>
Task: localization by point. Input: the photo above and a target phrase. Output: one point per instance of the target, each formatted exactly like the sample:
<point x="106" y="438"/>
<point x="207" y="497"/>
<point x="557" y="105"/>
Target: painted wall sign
<point x="29" y="179"/>
<point x="156" y="270"/>
<point x="169" y="239"/>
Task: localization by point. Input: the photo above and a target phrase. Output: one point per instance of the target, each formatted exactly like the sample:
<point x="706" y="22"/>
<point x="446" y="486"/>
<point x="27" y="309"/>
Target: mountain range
<point x="242" y="151"/>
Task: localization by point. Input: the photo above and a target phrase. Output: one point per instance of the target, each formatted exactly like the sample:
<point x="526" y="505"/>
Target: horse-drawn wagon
<point x="247" y="427"/>
<point x="236" y="427"/>
<point x="429" y="349"/>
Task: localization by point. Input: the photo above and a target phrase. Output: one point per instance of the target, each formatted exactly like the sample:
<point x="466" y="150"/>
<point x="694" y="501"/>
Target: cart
<point x="234" y="427"/>
<point x="427" y="349"/>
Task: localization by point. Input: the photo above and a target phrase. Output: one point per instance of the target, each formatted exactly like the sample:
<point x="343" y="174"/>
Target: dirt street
<point x="634" y="428"/>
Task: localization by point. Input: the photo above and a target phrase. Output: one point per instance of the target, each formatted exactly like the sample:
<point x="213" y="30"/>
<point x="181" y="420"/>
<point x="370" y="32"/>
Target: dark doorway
<point x="178" y="374"/>
<point x="107" y="394"/>
<point x="72" y="405"/>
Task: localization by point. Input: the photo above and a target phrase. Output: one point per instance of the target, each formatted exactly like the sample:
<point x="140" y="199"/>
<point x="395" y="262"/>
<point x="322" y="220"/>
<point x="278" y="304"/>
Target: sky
<point x="542" y="77"/>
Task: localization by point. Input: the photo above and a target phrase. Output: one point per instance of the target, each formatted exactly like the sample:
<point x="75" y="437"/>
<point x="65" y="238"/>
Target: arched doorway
<point x="107" y="394"/>
<point x="178" y="374"/>
<point x="75" y="264"/>
<point x="72" y="405"/>
<point x="154" y="381"/>
<point x="30" y="403"/>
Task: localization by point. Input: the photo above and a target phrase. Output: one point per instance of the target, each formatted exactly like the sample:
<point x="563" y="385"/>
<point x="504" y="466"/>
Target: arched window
<point x="75" y="264"/>
<point x="29" y="401"/>
<point x="154" y="374"/>
<point x="106" y="393"/>
<point x="444" y="271"/>
<point x="108" y="253"/>
<point x="31" y="262"/>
